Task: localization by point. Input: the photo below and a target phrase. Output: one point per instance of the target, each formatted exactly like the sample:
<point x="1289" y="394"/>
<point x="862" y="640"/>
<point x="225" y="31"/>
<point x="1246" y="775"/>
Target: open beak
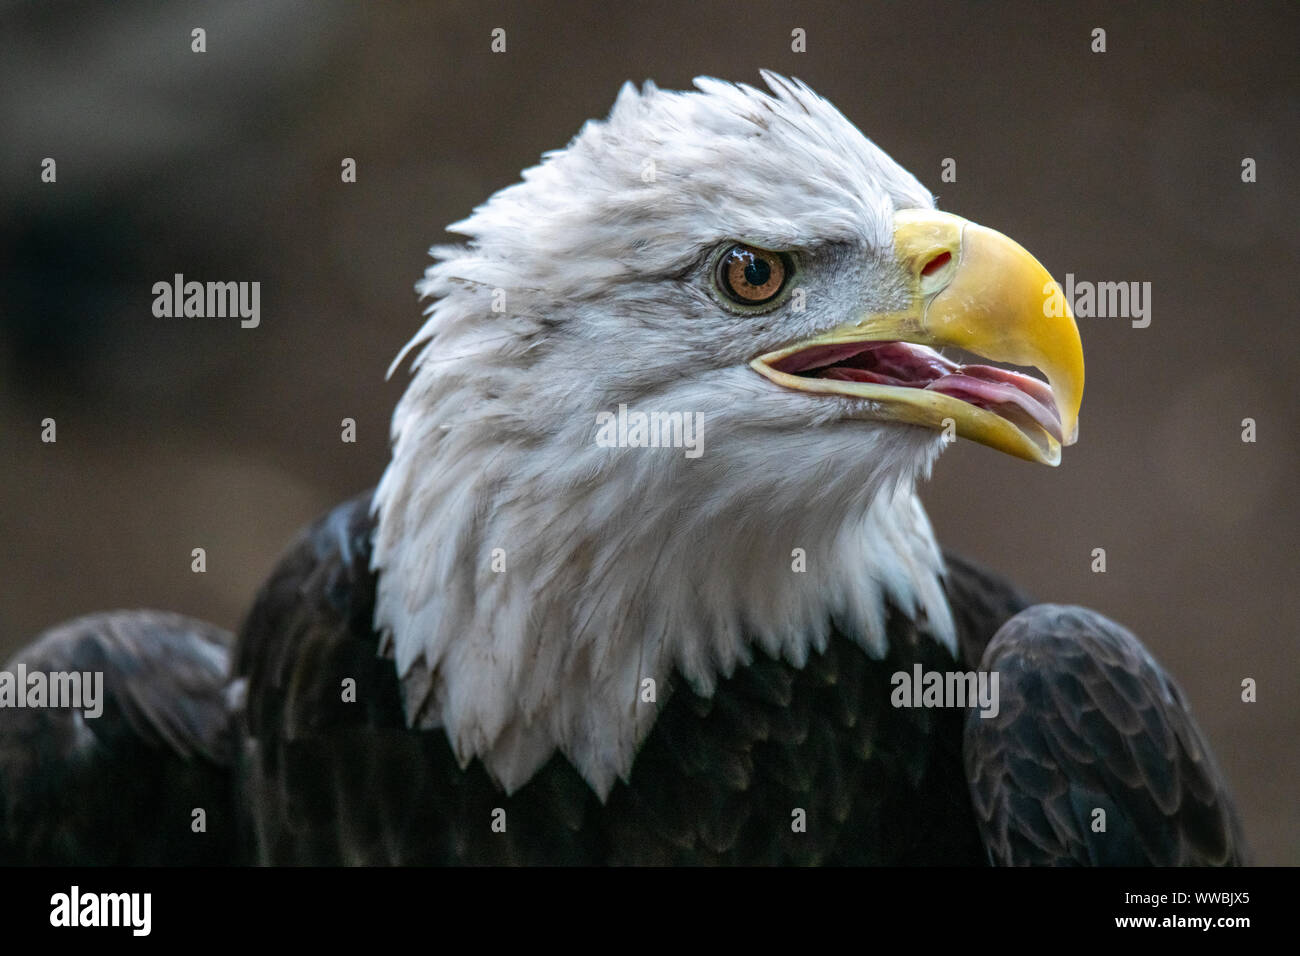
<point x="973" y="289"/>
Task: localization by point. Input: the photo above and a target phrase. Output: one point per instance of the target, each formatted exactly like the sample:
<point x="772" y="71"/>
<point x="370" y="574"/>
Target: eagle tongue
<point x="1019" y="398"/>
<point x="998" y="389"/>
<point x="892" y="363"/>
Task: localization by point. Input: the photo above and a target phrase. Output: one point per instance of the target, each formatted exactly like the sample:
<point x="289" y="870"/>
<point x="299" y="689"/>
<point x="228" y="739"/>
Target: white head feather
<point x="623" y="564"/>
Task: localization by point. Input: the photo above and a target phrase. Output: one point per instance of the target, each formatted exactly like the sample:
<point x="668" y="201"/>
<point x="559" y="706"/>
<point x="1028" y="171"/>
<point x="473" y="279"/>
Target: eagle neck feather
<point x="527" y="594"/>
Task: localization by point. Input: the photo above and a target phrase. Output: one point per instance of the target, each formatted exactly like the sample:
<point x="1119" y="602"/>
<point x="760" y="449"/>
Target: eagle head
<point x="668" y="408"/>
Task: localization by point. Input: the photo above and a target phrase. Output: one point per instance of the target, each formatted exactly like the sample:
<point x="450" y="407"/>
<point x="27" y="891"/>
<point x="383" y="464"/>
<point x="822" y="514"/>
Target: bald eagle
<point x="647" y="579"/>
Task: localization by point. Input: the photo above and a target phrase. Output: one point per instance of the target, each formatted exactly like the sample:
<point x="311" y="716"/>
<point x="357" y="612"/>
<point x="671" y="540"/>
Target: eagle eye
<point x="751" y="276"/>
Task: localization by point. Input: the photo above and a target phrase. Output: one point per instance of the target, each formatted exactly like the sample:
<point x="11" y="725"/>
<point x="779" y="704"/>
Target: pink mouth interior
<point x="1021" y="399"/>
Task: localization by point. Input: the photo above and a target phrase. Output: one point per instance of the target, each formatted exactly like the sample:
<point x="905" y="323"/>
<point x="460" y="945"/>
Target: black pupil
<point x="757" y="272"/>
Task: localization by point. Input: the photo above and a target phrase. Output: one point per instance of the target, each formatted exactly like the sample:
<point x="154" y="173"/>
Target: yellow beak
<point x="974" y="289"/>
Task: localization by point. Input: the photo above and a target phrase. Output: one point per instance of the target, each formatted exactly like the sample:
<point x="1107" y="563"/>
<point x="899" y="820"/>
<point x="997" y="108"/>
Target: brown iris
<point x="751" y="276"/>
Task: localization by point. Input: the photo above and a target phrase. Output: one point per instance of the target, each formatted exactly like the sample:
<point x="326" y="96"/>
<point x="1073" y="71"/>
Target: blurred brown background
<point x="179" y="433"/>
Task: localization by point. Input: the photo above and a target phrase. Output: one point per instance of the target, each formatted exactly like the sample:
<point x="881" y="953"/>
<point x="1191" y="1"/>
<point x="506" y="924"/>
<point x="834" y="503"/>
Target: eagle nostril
<point x="937" y="263"/>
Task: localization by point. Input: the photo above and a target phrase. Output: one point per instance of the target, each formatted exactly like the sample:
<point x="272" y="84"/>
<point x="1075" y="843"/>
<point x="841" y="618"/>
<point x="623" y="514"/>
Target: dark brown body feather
<point x="1094" y="757"/>
<point x="718" y="780"/>
<point x="122" y="788"/>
